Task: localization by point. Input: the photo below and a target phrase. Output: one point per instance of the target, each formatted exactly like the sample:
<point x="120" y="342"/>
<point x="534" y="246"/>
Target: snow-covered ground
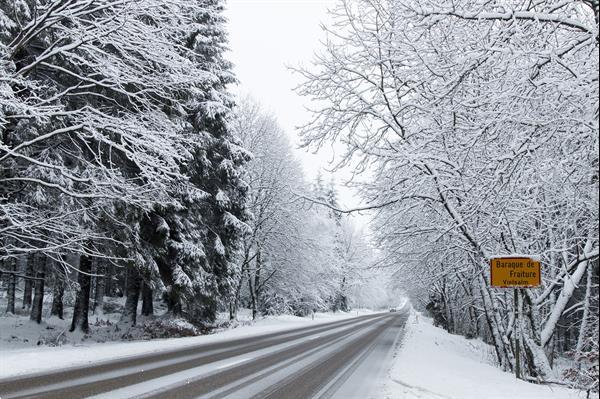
<point x="433" y="364"/>
<point x="19" y="359"/>
<point x="17" y="331"/>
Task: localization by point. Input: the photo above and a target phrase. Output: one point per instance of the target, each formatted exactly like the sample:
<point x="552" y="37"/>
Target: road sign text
<point x="515" y="272"/>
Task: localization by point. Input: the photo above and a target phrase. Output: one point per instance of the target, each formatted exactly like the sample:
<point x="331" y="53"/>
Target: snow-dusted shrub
<point x="169" y="328"/>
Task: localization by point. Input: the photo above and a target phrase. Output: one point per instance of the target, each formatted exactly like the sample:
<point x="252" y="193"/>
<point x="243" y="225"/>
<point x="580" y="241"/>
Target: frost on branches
<point x="297" y="257"/>
<point x="115" y="147"/>
<point x="479" y="123"/>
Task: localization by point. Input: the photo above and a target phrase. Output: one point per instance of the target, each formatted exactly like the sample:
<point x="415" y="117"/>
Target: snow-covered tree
<point x="115" y="145"/>
<point x="478" y="122"/>
<point x="298" y="257"/>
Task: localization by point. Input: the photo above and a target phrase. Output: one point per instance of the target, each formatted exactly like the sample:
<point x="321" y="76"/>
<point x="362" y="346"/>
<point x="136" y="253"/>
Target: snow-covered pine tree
<point x="102" y="106"/>
<point x="197" y="237"/>
<point x="218" y="165"/>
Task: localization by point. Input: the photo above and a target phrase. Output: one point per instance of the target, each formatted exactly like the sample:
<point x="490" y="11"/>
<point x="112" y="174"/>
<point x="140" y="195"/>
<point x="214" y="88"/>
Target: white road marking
<point x="234" y="363"/>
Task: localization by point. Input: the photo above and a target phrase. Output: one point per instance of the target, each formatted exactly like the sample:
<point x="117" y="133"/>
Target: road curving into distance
<point x="342" y="359"/>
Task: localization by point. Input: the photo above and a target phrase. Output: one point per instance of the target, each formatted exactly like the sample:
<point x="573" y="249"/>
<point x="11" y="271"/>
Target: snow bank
<point x="433" y="364"/>
<point x="42" y="358"/>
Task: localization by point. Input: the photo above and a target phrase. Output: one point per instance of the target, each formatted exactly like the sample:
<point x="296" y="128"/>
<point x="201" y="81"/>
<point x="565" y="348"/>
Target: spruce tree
<point x="199" y="234"/>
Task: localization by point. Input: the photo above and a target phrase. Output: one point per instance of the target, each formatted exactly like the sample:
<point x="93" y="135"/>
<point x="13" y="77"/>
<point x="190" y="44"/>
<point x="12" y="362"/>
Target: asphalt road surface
<point x="343" y="359"/>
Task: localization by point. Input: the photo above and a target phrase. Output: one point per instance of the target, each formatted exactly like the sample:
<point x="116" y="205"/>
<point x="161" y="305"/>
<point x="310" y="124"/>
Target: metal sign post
<point x="517" y="332"/>
<point x="517" y="272"/>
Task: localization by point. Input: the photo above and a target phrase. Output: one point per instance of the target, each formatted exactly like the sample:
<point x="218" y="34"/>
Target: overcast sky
<point x="267" y="36"/>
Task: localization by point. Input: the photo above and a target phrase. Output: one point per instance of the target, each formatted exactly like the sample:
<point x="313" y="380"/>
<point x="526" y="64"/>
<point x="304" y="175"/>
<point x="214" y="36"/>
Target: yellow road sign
<point x="515" y="272"/>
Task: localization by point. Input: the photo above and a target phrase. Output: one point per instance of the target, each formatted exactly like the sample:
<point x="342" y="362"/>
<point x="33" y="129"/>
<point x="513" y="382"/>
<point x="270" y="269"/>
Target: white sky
<point x="267" y="36"/>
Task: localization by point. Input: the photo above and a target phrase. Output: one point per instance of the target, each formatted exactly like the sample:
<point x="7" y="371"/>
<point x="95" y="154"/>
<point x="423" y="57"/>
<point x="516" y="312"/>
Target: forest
<point x="477" y="125"/>
<point x="130" y="169"/>
<point x="127" y="169"/>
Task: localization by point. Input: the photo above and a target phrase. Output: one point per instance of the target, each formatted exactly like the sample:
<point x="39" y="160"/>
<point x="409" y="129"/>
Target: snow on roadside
<point x="433" y="364"/>
<point x="19" y="361"/>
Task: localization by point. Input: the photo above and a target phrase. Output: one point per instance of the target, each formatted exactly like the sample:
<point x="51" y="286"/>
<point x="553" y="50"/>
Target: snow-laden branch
<point x="509" y="15"/>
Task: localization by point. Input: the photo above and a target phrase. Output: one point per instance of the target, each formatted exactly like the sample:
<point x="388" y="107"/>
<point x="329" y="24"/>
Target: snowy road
<point x="343" y="359"/>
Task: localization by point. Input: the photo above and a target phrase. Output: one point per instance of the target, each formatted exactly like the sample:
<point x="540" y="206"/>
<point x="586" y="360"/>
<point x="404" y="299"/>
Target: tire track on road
<point x="90" y="380"/>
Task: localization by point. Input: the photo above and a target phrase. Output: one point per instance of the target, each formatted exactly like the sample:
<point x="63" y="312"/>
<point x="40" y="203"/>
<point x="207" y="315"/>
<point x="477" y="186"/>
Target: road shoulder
<point x="430" y="363"/>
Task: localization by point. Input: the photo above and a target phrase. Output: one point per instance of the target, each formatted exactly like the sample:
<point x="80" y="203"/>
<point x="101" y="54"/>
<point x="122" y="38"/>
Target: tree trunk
<point x="93" y="282"/>
<point x="99" y="281"/>
<point x="173" y="302"/>
<point x="124" y="283"/>
<point x="256" y="296"/>
<point x="57" y="298"/>
<point x="503" y="345"/>
<point x="537" y="359"/>
<point x="38" y="299"/>
<point x="586" y="312"/>
<point x="10" y="293"/>
<point x="27" y="263"/>
<point x="570" y="283"/>
<point x="108" y="282"/>
<point x="232" y="310"/>
<point x="147" y="304"/>
<point x="132" y="292"/>
<point x="252" y="297"/>
<point x="82" y="302"/>
<point x="170" y="296"/>
<point x="253" y="284"/>
<point x="235" y="302"/>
